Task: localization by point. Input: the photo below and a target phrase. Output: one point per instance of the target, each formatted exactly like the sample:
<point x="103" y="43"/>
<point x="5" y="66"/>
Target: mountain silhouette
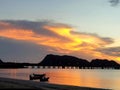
<point x="11" y="64"/>
<point x="1" y="61"/>
<point x="104" y="63"/>
<point x="65" y="60"/>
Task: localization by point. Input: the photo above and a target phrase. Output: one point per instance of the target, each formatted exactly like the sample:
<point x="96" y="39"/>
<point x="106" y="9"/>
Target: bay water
<point x="98" y="78"/>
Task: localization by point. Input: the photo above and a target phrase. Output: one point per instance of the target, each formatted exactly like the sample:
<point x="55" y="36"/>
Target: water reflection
<point x="78" y="77"/>
<point x="65" y="77"/>
<point x="13" y="73"/>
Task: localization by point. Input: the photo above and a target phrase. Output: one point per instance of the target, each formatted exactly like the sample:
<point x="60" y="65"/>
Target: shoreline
<point x="8" y="83"/>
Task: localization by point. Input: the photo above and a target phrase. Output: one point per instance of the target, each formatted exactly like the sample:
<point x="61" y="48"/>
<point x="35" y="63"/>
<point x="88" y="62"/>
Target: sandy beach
<point x="8" y="83"/>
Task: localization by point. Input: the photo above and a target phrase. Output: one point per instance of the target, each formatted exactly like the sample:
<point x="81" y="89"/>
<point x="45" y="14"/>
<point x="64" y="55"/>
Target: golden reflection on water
<point x="73" y="77"/>
<point x="65" y="77"/>
<point x="13" y="73"/>
<point x="78" y="77"/>
<point x="88" y="78"/>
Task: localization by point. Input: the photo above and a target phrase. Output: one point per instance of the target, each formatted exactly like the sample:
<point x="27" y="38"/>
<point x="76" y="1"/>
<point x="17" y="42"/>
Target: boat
<point x="41" y="77"/>
<point x="44" y="79"/>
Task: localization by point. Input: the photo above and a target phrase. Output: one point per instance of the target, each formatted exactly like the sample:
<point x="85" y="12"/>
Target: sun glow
<point x="63" y="31"/>
<point x="118" y="59"/>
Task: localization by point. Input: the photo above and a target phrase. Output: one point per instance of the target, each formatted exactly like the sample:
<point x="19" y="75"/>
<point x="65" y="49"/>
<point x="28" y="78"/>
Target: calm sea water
<point x="78" y="77"/>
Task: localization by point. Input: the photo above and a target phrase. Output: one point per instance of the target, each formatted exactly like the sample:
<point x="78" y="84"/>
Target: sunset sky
<point x="31" y="29"/>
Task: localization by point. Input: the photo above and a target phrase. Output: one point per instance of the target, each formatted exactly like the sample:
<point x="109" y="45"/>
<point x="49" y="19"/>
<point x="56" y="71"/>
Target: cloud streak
<point x="59" y="38"/>
<point x="114" y="51"/>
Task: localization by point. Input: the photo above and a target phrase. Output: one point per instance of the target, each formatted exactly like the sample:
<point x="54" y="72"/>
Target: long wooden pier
<point x="68" y="67"/>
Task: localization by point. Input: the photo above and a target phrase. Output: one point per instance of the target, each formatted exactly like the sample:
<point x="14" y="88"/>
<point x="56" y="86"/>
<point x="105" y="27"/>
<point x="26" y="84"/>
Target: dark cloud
<point x="35" y="26"/>
<point x="114" y="2"/>
<point x="112" y="51"/>
<point x="12" y="50"/>
<point x="107" y="40"/>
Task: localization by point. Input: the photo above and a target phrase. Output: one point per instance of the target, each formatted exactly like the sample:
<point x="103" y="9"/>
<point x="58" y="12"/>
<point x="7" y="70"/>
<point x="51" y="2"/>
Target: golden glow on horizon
<point x="118" y="59"/>
<point x="67" y="42"/>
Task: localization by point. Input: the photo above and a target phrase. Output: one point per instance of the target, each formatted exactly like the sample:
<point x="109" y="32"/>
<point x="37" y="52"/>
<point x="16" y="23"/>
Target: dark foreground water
<point x="79" y="77"/>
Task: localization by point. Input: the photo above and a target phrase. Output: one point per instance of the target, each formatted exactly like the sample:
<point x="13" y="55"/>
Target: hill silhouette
<point x="65" y="60"/>
<point x="1" y="61"/>
<point x="104" y="63"/>
<point x="14" y="64"/>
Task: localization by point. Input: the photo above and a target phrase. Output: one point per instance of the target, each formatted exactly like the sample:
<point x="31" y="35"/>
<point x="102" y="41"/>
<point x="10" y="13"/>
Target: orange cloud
<point x="77" y="41"/>
<point x="61" y="38"/>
